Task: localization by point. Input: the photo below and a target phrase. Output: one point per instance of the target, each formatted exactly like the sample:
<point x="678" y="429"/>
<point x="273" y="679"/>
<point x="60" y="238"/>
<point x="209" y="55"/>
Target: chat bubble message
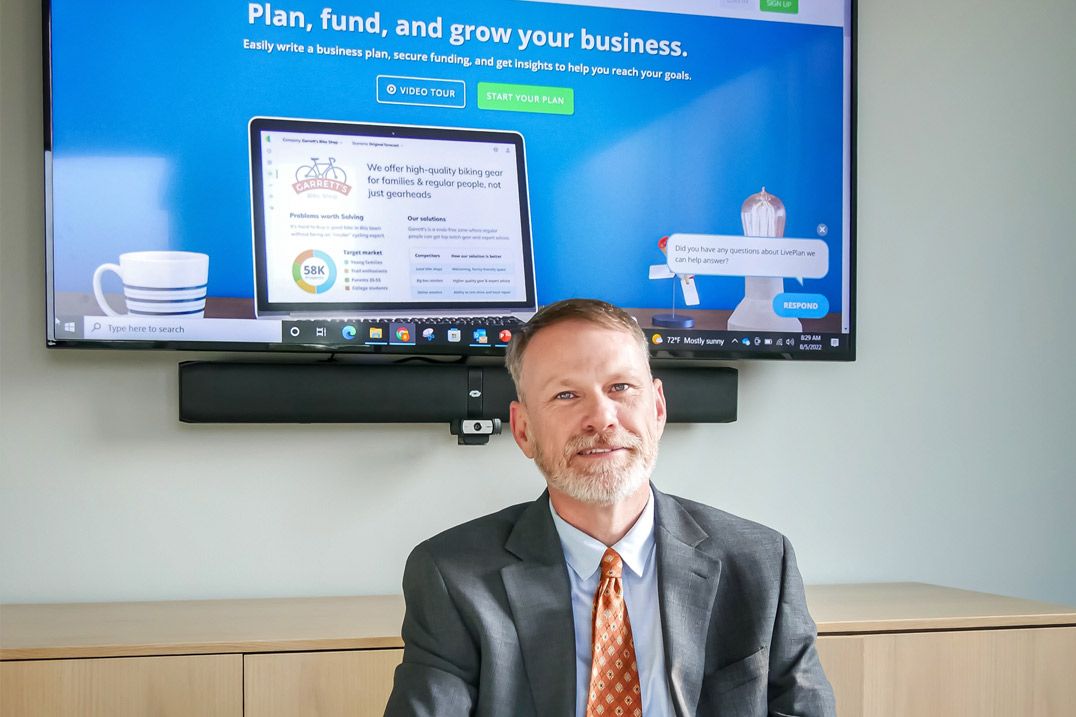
<point x="726" y="255"/>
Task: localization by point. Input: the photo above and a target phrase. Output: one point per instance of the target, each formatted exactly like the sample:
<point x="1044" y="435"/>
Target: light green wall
<point x="946" y="454"/>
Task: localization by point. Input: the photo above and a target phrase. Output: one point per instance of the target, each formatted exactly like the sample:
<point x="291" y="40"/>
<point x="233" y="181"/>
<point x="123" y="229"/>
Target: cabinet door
<point x="978" y="673"/>
<point x="208" y="685"/>
<point x="355" y="683"/>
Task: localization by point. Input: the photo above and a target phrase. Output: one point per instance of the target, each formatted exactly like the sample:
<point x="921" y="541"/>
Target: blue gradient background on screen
<point x="151" y="104"/>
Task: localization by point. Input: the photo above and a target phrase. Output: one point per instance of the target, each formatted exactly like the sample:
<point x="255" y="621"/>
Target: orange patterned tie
<point x="614" y="674"/>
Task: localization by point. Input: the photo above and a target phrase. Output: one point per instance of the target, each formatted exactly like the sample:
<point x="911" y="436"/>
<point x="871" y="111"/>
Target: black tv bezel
<point x="462" y="351"/>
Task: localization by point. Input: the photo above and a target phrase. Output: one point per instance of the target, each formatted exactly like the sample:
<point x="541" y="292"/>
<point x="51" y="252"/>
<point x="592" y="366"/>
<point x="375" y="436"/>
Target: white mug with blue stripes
<point x="158" y="283"/>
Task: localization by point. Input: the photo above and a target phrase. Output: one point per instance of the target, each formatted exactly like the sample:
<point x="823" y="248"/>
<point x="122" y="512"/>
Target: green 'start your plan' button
<point x="427" y="91"/>
<point x="792" y="7"/>
<point x="526" y="98"/>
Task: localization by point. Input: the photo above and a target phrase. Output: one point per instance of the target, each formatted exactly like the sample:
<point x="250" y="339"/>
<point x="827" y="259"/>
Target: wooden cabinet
<point x="208" y="685"/>
<point x="296" y="656"/>
<point x="350" y="682"/>
<point x="976" y="672"/>
<point x="913" y="650"/>
<point x="890" y="650"/>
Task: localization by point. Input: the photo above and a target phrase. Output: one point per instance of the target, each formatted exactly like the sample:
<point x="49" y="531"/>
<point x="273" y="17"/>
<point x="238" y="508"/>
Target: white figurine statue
<point x="762" y="215"/>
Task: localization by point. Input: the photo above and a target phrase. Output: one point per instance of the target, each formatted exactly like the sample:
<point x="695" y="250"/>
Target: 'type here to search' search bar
<point x="132" y="328"/>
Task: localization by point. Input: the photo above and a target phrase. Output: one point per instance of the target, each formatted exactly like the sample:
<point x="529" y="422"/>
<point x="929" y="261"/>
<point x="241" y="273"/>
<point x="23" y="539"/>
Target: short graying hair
<point x="592" y="311"/>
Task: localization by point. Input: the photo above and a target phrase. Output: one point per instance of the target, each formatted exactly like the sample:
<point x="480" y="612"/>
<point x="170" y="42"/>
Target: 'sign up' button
<point x="427" y="91"/>
<point x="801" y="306"/>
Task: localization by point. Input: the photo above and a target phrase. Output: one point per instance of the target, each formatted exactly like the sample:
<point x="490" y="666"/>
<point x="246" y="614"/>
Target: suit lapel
<point x="687" y="586"/>
<point x="539" y="595"/>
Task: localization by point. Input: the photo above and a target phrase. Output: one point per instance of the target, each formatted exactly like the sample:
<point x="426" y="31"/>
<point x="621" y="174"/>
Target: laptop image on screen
<point x="371" y="221"/>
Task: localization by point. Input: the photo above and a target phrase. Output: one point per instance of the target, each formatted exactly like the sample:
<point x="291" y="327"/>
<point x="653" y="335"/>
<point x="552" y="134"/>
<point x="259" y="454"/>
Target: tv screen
<point x="420" y="177"/>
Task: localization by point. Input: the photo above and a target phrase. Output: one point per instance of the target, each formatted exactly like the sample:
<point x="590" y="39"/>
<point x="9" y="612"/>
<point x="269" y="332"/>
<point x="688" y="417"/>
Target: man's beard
<point x="608" y="481"/>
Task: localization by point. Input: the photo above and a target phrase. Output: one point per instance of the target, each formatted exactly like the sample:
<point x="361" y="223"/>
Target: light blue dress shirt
<point x="584" y="555"/>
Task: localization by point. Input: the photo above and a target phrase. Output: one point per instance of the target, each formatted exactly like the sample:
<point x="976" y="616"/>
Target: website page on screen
<point x="689" y="161"/>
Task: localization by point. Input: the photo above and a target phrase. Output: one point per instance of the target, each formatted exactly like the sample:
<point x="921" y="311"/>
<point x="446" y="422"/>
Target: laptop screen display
<point x="351" y="217"/>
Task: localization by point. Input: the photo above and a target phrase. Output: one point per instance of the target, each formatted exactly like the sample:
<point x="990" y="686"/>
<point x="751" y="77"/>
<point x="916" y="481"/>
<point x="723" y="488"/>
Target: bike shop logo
<point x="321" y="175"/>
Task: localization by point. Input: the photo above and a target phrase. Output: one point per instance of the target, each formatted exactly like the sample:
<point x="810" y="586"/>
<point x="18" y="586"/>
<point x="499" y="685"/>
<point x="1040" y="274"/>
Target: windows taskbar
<point x="472" y="336"/>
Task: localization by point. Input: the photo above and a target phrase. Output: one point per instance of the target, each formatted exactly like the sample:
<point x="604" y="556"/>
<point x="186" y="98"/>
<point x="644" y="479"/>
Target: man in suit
<point x="604" y="597"/>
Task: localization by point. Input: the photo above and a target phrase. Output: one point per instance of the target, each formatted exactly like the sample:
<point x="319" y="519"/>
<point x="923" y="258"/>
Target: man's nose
<point x="600" y="413"/>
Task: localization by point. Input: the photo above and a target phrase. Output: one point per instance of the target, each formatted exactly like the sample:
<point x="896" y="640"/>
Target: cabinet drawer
<point x="123" y="687"/>
<point x="979" y="673"/>
<point x="355" y="683"/>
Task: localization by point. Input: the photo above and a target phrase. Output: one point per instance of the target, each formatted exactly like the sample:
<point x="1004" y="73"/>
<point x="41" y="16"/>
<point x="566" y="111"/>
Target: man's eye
<point x="616" y="387"/>
<point x="564" y="395"/>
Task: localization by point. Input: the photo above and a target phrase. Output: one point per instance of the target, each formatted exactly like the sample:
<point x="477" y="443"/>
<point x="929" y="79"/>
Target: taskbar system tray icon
<point x="704" y="341"/>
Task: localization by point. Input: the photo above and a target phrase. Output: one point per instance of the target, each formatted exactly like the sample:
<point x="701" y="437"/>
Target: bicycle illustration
<point x="321" y="170"/>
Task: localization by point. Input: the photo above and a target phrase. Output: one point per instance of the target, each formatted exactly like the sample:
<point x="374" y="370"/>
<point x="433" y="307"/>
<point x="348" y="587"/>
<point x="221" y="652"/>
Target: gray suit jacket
<point x="488" y="628"/>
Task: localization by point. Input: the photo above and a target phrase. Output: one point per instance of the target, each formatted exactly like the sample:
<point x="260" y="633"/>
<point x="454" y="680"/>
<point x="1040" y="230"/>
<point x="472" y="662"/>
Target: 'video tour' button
<point x="426" y="91"/>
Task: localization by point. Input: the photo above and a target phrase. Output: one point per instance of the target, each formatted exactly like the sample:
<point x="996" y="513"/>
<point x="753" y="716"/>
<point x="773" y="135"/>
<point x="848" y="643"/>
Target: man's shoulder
<point x="728" y="533"/>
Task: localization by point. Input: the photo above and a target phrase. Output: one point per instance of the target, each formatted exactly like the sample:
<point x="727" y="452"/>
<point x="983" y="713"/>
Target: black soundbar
<point x="331" y="392"/>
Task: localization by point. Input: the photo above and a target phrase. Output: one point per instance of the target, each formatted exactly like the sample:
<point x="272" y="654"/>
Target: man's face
<point x="589" y="414"/>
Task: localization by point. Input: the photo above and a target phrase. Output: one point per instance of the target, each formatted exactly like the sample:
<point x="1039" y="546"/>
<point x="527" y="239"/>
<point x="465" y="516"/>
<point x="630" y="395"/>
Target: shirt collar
<point x="584" y="553"/>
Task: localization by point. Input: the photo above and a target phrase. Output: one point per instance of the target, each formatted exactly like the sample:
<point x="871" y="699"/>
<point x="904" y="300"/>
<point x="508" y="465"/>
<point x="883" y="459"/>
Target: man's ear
<point x="517" y="415"/>
<point x="659" y="407"/>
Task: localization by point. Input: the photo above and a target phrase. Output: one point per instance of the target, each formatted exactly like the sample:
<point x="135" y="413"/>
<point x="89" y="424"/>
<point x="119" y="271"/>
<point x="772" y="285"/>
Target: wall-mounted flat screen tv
<point x="420" y="177"/>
